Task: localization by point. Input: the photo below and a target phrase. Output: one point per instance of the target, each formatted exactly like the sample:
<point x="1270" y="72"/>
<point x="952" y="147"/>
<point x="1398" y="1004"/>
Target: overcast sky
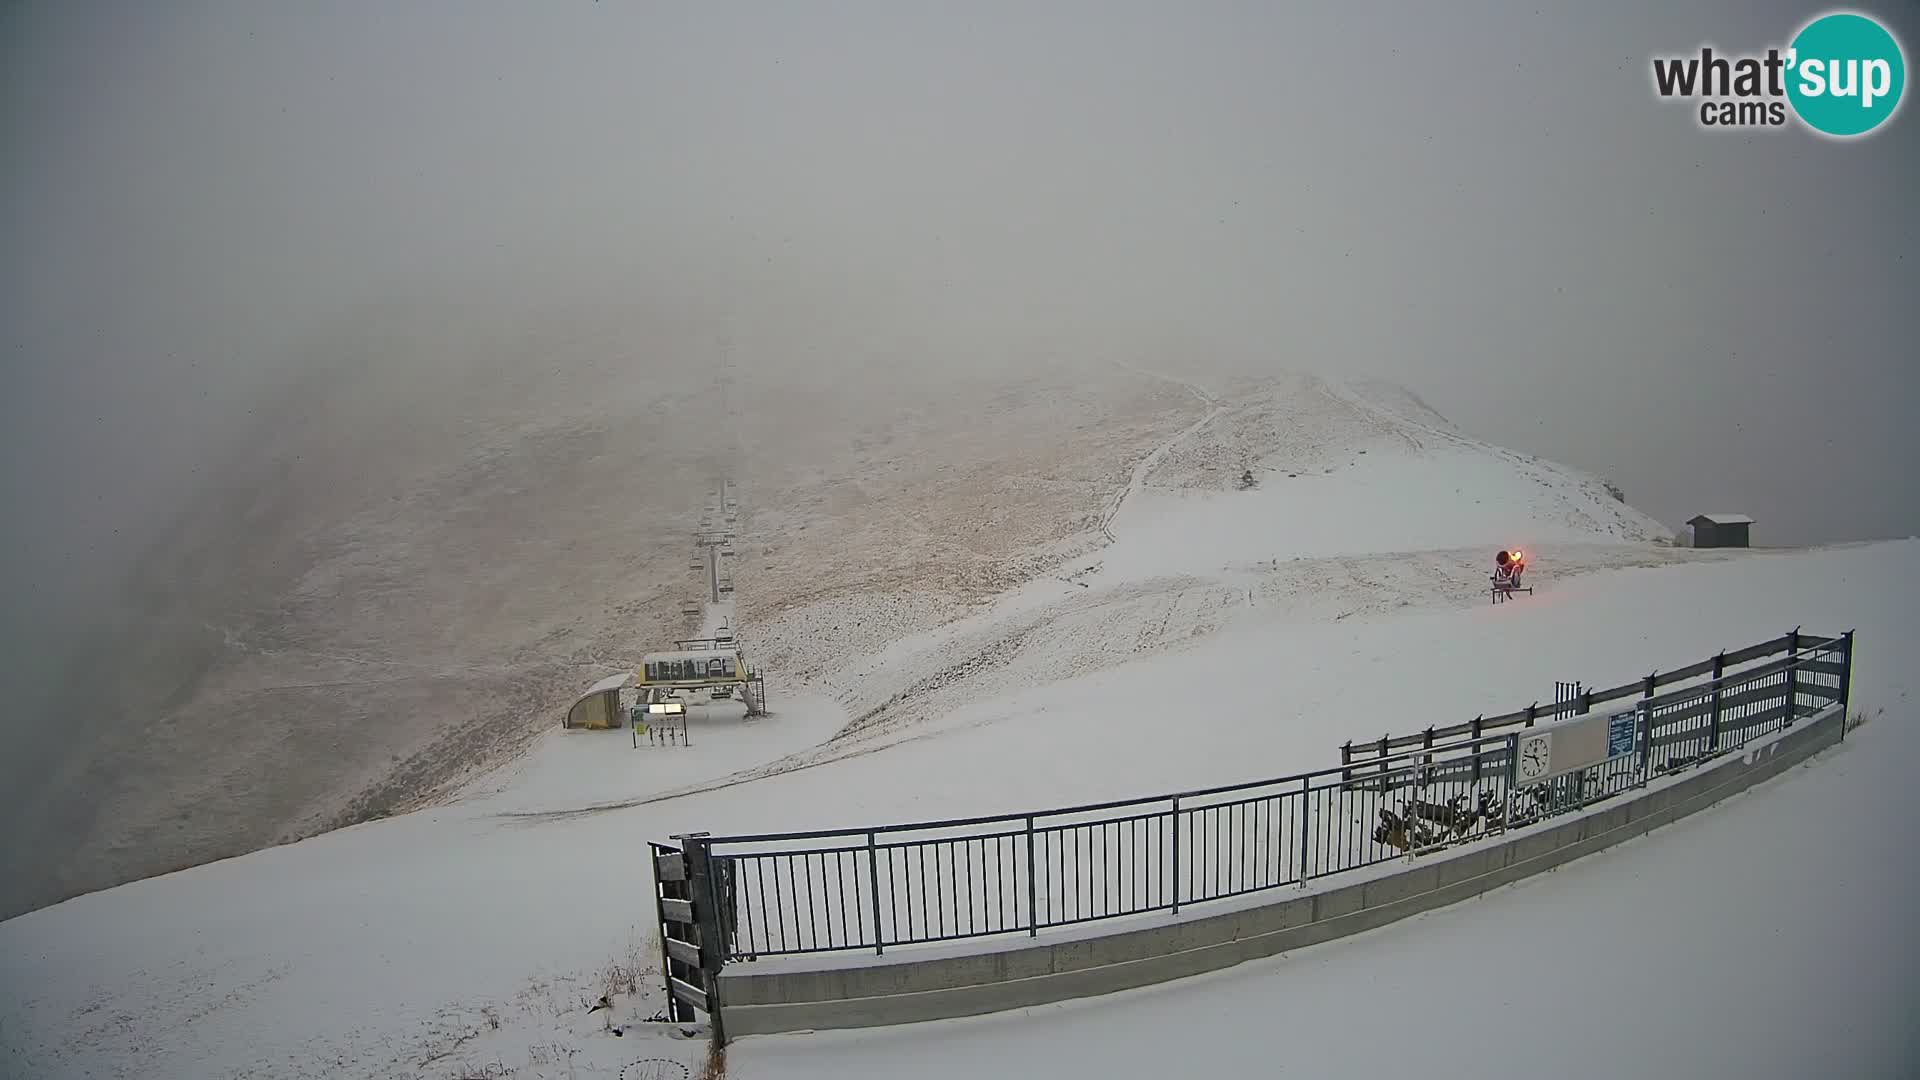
<point x="1483" y="201"/>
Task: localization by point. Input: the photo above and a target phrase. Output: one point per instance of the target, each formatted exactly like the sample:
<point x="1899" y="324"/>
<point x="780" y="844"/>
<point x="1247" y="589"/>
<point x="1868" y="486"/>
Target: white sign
<point x="1580" y="743"/>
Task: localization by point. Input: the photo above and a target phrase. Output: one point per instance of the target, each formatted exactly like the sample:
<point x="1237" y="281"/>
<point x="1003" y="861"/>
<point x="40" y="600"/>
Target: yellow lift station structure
<point x="703" y="664"/>
<point x="718" y="670"/>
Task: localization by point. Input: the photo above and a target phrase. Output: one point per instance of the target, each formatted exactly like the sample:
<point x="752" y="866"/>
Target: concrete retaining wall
<point x="1033" y="972"/>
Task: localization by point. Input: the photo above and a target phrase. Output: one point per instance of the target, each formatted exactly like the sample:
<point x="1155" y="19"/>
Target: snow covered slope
<point x="1770" y="937"/>
<point x="1366" y="502"/>
<point x="470" y="937"/>
<point x="1349" y="471"/>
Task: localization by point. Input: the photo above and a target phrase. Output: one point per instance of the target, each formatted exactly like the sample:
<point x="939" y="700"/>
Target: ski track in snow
<point x="1147" y="464"/>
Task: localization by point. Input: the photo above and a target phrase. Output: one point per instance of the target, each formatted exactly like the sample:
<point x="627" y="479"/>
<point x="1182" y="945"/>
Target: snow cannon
<point x="1507" y="568"/>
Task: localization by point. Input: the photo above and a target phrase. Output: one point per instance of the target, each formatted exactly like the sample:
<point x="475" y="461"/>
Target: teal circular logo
<point x="1845" y="74"/>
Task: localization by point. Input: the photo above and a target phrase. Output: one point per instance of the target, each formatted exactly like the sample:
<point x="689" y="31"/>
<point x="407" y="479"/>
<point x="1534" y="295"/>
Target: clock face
<point x="1533" y="757"/>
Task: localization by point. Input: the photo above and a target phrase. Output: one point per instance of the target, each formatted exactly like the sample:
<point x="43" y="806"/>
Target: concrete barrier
<point x="765" y="998"/>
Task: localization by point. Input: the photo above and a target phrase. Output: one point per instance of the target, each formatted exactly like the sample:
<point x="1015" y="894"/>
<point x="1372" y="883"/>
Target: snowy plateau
<point x="1173" y="631"/>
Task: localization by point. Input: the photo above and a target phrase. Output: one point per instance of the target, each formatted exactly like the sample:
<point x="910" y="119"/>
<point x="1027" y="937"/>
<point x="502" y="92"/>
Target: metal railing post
<point x="1033" y="892"/>
<point x="873" y="882"/>
<point x="1713" y="720"/>
<point x="1176" y="854"/>
<point x="1306" y="789"/>
<point x="1477" y="748"/>
<point x="1846" y="680"/>
<point x="1513" y="779"/>
<point x="1645" y="723"/>
<point x="1793" y="676"/>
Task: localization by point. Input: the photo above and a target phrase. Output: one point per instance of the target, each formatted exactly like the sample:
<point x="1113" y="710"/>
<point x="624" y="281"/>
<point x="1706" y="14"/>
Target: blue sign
<point x="1620" y="730"/>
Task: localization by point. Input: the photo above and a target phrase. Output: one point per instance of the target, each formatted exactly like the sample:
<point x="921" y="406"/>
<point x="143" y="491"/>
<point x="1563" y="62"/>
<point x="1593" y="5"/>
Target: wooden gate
<point x="692" y="929"/>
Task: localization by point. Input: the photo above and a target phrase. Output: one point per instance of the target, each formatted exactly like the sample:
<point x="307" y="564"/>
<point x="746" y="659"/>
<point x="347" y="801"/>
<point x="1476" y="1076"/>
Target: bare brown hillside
<point x="410" y="566"/>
